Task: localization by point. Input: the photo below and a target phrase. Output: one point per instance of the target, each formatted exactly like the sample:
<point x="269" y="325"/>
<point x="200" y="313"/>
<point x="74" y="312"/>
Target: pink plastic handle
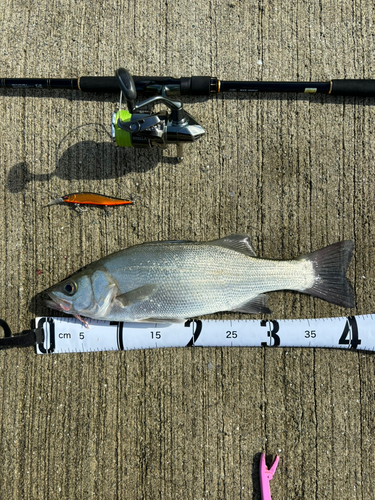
<point x="265" y="476"/>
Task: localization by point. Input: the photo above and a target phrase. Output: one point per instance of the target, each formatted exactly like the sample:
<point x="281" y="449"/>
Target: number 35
<point x="310" y="334"/>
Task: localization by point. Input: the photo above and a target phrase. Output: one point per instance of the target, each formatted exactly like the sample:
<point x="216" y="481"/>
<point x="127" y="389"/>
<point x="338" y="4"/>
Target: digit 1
<point x="271" y="333"/>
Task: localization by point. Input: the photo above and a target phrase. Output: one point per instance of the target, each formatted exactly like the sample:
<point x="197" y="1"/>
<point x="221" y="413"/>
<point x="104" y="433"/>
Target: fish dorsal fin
<point x="137" y="295"/>
<point x="238" y="242"/>
<point x="168" y="241"/>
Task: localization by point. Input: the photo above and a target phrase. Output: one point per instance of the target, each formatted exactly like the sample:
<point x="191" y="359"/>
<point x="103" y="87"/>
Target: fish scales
<point x="192" y="276"/>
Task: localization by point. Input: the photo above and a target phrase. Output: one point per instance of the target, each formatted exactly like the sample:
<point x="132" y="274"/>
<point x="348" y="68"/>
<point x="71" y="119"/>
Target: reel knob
<point x="127" y="86"/>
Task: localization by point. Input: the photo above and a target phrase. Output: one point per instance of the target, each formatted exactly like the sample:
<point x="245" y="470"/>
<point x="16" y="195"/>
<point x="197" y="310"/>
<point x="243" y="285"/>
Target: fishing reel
<point x="130" y="128"/>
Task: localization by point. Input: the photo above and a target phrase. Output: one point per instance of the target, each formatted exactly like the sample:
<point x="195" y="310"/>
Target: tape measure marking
<point x="63" y="335"/>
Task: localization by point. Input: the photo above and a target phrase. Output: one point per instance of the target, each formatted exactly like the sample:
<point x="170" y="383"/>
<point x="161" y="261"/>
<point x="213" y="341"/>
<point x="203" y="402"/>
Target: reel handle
<point x="127" y="86"/>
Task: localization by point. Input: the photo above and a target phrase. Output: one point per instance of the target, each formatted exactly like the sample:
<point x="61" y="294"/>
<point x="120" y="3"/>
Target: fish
<point x="172" y="281"/>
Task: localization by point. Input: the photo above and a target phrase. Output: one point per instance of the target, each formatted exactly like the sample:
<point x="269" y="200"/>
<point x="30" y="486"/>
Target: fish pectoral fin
<point x="137" y="295"/>
<point x="254" y="306"/>
<point x="238" y="242"/>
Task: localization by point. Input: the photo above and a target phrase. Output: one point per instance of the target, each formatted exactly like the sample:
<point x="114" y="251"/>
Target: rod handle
<point x="196" y="85"/>
<point x="98" y="84"/>
<point x="360" y="88"/>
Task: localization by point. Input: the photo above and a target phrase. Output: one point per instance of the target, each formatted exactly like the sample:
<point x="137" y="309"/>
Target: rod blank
<point x="195" y="85"/>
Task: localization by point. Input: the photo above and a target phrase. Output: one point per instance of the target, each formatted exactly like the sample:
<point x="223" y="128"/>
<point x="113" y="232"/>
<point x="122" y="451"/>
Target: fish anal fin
<point x="256" y="305"/>
<point x="237" y="242"/>
<point x="137" y="295"/>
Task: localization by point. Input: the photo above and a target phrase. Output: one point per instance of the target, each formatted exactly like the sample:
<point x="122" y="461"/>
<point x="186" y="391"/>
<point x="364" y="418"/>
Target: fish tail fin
<point x="330" y="265"/>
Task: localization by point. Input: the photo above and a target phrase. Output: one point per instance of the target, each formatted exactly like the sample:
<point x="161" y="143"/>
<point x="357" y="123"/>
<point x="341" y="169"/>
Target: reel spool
<point x="146" y="130"/>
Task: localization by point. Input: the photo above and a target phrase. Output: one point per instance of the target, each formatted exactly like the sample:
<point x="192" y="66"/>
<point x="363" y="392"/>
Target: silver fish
<point x="174" y="280"/>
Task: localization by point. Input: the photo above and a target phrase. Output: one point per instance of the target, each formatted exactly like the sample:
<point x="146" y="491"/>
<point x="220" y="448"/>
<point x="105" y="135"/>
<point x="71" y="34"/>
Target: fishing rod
<point x="193" y="86"/>
<point x="146" y="129"/>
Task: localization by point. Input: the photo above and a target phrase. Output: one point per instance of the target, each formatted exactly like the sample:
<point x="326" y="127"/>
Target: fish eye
<point x="70" y="288"/>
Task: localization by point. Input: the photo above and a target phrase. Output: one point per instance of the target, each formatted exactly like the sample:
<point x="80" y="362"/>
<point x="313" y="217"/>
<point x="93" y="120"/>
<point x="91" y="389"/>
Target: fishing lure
<point x="90" y="199"/>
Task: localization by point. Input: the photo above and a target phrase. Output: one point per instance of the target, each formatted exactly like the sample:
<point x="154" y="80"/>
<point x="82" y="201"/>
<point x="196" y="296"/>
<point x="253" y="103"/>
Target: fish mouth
<point x="58" y="304"/>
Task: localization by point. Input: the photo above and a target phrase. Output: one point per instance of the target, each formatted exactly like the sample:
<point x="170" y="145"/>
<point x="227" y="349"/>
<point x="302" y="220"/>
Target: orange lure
<point x="90" y="199"/>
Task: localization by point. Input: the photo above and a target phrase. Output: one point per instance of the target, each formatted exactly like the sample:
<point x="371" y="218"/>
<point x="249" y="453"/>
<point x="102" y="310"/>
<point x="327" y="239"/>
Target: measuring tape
<point x="64" y="335"/>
